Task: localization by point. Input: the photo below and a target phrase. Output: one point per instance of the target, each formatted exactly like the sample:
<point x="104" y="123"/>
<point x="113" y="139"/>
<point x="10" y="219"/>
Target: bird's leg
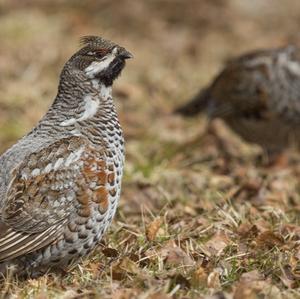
<point x="225" y="141"/>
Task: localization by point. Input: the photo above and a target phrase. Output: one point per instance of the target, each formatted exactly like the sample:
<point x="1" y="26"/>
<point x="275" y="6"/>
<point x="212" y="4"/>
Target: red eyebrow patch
<point x="101" y="51"/>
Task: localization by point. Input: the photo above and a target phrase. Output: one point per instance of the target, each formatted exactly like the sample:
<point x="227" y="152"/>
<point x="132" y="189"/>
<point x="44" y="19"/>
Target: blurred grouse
<point x="258" y="96"/>
<point x="60" y="184"/>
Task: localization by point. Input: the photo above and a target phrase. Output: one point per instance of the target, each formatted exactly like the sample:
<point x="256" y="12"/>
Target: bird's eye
<point x="99" y="53"/>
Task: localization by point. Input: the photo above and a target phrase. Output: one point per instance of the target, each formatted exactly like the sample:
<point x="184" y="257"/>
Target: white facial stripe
<point x="292" y="66"/>
<point x="98" y="66"/>
<point x="105" y="92"/>
<point x="68" y="122"/>
<point x="90" y="109"/>
<point x="91" y="106"/>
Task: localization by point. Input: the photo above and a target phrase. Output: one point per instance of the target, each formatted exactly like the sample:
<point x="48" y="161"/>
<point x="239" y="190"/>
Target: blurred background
<point x="178" y="47"/>
<point x="195" y="191"/>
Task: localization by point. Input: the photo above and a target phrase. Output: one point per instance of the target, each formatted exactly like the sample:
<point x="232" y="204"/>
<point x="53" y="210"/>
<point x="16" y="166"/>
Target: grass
<point x="196" y="219"/>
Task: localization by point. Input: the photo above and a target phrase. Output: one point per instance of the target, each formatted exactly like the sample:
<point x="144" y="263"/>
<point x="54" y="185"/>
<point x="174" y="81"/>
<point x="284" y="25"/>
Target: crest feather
<point x="87" y="39"/>
<point x="96" y="41"/>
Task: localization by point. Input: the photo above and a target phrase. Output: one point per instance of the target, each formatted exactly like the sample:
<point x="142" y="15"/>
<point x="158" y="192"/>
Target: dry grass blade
<point x="199" y="217"/>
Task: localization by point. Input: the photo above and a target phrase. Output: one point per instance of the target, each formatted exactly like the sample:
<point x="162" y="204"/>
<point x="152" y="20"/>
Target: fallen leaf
<point x="152" y="229"/>
<point x="158" y="296"/>
<point x="217" y="295"/>
<point x="287" y="277"/>
<point x="174" y="255"/>
<point x="253" y="285"/>
<point x="296" y="270"/>
<point x="213" y="279"/>
<point x="247" y="231"/>
<point x="243" y="291"/>
<point x="121" y="267"/>
<point x="251" y="276"/>
<point x="110" y="252"/>
<point x="199" y="278"/>
<point x="124" y="294"/>
<point x="129" y="266"/>
<point x="292" y="230"/>
<point x="217" y="243"/>
<point x="268" y="240"/>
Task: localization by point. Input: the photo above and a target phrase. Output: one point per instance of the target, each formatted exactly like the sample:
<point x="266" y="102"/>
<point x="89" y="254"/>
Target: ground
<point x="200" y="216"/>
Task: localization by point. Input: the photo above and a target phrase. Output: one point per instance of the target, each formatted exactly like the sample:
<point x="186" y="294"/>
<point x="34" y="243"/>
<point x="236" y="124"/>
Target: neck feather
<point x="78" y="100"/>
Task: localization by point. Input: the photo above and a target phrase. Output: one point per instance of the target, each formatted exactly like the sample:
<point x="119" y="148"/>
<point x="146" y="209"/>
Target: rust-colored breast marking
<point x="96" y="170"/>
<point x="89" y="173"/>
<point x="84" y="211"/>
<point x="102" y="177"/>
<point x="83" y="199"/>
<point x="101" y="194"/>
<point x="102" y="199"/>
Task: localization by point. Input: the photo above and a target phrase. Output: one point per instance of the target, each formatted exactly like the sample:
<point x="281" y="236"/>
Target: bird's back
<point x="252" y="83"/>
<point x="256" y="91"/>
<point x="11" y="158"/>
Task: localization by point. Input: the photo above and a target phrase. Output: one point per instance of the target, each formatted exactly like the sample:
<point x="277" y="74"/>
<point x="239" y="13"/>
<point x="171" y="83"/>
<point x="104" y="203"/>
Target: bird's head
<point x="99" y="59"/>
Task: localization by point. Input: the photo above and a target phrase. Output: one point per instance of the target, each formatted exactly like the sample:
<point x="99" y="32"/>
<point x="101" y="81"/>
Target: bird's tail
<point x="198" y="103"/>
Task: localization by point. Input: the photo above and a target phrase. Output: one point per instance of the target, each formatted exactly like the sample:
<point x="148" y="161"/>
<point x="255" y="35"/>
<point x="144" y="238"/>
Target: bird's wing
<point x="247" y="84"/>
<point x="48" y="187"/>
<point x="241" y="90"/>
<point x="235" y="91"/>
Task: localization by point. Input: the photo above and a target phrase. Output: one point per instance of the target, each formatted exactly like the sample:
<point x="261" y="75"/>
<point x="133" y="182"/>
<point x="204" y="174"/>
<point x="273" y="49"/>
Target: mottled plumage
<point x="60" y="184"/>
<point x="258" y="95"/>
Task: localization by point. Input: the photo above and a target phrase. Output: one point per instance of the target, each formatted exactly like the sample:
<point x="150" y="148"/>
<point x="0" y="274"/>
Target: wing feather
<point x="52" y="186"/>
<point x="22" y="243"/>
<point x="40" y="199"/>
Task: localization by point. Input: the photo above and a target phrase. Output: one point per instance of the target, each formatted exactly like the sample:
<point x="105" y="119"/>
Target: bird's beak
<point x="124" y="54"/>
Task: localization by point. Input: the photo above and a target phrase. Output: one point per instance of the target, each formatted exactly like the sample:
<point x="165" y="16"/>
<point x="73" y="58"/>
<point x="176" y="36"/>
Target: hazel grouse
<point x="258" y="96"/>
<point x="61" y="183"/>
